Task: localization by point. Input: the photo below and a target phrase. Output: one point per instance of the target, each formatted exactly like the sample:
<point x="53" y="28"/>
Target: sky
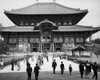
<point x="92" y="18"/>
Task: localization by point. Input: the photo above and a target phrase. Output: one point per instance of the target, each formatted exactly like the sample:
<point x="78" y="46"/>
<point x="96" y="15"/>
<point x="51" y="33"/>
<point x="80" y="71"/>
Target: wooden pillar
<point x="53" y="47"/>
<point x="40" y="39"/>
<point x="40" y="47"/>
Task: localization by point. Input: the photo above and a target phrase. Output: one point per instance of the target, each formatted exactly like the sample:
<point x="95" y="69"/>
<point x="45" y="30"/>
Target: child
<point x="70" y="69"/>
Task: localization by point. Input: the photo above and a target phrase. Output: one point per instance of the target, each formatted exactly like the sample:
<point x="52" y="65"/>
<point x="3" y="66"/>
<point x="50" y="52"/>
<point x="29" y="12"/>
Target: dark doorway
<point x="46" y="46"/>
<point x="34" y="50"/>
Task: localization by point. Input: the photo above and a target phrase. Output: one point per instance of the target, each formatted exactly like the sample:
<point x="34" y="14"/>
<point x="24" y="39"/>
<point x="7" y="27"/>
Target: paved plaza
<point x="45" y="71"/>
<point x="47" y="66"/>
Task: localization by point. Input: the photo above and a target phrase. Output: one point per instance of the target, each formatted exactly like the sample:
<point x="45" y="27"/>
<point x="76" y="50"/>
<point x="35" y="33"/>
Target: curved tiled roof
<point x="18" y="29"/>
<point x="74" y="28"/>
<point x="46" y="8"/>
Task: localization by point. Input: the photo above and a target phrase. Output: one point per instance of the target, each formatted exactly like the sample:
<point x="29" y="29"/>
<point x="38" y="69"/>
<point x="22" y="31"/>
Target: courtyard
<point x="45" y="70"/>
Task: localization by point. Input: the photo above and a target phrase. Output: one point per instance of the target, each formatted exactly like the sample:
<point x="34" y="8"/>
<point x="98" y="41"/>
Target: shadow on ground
<point x="44" y="75"/>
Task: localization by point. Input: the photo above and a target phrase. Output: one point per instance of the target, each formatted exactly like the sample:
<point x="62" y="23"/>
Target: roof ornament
<point x="12" y="9"/>
<point x="4" y="10"/>
<point x="53" y="0"/>
<point x="36" y="0"/>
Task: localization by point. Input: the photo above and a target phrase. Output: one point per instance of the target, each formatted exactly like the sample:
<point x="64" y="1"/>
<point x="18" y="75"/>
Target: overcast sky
<point x="91" y="19"/>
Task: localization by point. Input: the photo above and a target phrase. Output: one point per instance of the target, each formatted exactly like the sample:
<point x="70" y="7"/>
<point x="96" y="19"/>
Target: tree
<point x="96" y="41"/>
<point x="3" y="48"/>
<point x="96" y="49"/>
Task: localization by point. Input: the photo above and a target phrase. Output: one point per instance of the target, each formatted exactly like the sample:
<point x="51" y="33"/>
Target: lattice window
<point x="79" y="39"/>
<point x="12" y="40"/>
<point x="58" y="39"/>
<point x="32" y="40"/>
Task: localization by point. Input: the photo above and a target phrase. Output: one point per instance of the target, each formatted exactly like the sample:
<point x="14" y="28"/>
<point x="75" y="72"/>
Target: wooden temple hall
<point x="46" y="26"/>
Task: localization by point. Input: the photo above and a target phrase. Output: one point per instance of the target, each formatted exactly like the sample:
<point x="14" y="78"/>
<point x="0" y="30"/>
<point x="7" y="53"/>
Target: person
<point x="27" y="63"/>
<point x="18" y="66"/>
<point x="1" y="64"/>
<point x="87" y="71"/>
<point x="36" y="71"/>
<point x="70" y="69"/>
<point x="15" y="62"/>
<point x="54" y="64"/>
<point x="29" y="71"/>
<point x="60" y="56"/>
<point x="12" y="64"/>
<point x="81" y="69"/>
<point x="95" y="67"/>
<point x="46" y="53"/>
<point x="62" y="67"/>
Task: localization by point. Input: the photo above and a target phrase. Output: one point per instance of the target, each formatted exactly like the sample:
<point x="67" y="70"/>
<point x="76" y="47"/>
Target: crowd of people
<point x="84" y="69"/>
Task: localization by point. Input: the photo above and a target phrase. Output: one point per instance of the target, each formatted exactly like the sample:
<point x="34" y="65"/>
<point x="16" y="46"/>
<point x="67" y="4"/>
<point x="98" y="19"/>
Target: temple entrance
<point x="58" y="47"/>
<point x="23" y="47"/>
<point x="46" y="27"/>
<point x="46" y="46"/>
<point x="34" y="47"/>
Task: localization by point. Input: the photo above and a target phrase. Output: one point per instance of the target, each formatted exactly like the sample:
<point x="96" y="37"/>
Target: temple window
<point x="32" y="23"/>
<point x="69" y="41"/>
<point x="12" y="40"/>
<point x="21" y="23"/>
<point x="65" y="23"/>
<point x="32" y="40"/>
<point x="26" y="24"/>
<point x="70" y="22"/>
<point x="79" y="39"/>
<point x="59" y="23"/>
<point x="20" y="40"/>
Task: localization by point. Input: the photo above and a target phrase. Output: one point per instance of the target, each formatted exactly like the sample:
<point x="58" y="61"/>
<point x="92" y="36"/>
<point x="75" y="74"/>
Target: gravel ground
<point x="46" y="75"/>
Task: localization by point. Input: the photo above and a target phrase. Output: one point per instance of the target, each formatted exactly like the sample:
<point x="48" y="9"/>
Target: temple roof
<point x="74" y="28"/>
<point x="46" y="8"/>
<point x="79" y="48"/>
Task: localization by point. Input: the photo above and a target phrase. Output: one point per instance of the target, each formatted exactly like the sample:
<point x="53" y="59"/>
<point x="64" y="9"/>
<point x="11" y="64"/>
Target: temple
<point x="46" y="26"/>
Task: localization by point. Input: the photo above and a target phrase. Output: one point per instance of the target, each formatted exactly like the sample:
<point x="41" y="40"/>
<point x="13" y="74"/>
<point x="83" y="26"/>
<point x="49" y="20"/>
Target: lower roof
<point x="74" y="28"/>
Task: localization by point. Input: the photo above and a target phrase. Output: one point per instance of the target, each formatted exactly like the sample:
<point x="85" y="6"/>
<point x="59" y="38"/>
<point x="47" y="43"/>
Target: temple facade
<point x="46" y="26"/>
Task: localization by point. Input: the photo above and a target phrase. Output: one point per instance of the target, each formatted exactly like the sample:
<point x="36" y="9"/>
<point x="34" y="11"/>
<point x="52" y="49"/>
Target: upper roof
<point x="46" y="8"/>
<point x="73" y="28"/>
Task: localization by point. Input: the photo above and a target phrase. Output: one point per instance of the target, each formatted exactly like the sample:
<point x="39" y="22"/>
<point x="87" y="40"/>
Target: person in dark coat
<point x="81" y="69"/>
<point x="62" y="67"/>
<point x="12" y="64"/>
<point x="95" y="67"/>
<point x="54" y="64"/>
<point x="29" y="71"/>
<point x="36" y="71"/>
<point x="87" y="71"/>
<point x="70" y="69"/>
